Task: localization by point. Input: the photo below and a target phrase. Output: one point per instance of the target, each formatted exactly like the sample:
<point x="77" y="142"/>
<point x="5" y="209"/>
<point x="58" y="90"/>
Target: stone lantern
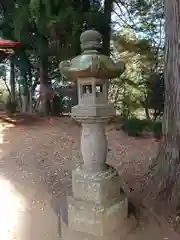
<point x="96" y="210"/>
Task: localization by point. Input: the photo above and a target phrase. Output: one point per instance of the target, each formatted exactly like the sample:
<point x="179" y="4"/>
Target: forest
<point x="46" y="39"/>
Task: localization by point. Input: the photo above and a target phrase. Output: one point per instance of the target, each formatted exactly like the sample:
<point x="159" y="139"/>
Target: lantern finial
<point x="91" y="40"/>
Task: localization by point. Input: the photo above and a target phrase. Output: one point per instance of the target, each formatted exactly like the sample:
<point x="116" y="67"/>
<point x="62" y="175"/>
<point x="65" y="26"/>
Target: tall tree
<point x="12" y="81"/>
<point x="164" y="177"/>
<point x="108" y="9"/>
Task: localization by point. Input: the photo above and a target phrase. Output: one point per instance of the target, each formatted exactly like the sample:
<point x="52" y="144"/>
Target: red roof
<point x="8" y="44"/>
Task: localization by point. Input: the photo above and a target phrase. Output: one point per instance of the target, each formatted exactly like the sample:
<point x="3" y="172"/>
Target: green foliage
<point x="4" y="94"/>
<point x="140" y="44"/>
<point x="55" y="35"/>
<point x="135" y="45"/>
<point x="10" y="106"/>
<point x="138" y="55"/>
<point x="131" y="127"/>
<point x="20" y="21"/>
<point x="58" y="105"/>
<point x="135" y="127"/>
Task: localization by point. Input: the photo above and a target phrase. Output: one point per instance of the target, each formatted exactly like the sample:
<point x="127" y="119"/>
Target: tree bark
<point x="24" y="103"/>
<point x="164" y="176"/>
<point x="45" y="87"/>
<point x="12" y="81"/>
<point x="25" y="95"/>
<point x="108" y="8"/>
<point x="146" y="108"/>
<point x="30" y="91"/>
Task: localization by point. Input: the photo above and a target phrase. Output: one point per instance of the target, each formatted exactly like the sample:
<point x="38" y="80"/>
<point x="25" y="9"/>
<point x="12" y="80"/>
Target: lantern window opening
<point x="87" y="89"/>
<point x="99" y="88"/>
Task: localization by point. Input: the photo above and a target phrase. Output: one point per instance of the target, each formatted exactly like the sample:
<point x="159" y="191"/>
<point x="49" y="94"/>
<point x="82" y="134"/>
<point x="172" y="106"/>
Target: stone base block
<point x="69" y="234"/>
<point x="96" y="219"/>
<point x="95" y="186"/>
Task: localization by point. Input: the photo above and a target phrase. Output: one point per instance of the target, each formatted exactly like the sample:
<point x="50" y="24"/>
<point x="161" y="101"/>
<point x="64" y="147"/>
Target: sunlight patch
<point x="12" y="204"/>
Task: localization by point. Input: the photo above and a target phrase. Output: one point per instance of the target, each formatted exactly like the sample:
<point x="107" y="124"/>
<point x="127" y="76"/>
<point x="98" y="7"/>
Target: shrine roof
<point x="8" y="44"/>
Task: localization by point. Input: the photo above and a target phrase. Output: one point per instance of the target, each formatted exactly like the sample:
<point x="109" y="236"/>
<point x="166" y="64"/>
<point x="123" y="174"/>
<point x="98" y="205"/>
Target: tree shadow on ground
<point x="35" y="179"/>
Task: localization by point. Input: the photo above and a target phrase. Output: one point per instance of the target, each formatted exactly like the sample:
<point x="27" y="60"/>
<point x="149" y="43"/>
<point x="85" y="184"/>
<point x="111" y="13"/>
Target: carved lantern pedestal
<point x="96" y="210"/>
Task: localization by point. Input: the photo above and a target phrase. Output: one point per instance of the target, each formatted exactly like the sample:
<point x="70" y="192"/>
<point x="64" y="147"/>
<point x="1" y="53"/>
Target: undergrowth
<point x="137" y="127"/>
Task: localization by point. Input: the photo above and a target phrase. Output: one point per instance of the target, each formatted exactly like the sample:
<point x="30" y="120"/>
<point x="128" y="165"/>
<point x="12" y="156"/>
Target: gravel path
<point x="36" y="161"/>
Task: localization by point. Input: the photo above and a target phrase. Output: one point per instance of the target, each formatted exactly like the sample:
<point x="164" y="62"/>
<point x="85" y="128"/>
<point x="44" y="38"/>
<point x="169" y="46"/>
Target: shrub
<point x="11" y="106"/>
<point x="58" y="105"/>
<point x="147" y="124"/>
<point x="133" y="127"/>
<point x="157" y="130"/>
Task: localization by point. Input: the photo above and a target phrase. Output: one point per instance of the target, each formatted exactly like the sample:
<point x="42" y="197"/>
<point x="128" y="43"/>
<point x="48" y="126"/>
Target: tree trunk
<point x="164" y="175"/>
<point x="30" y="108"/>
<point x="34" y="85"/>
<point x="108" y="8"/>
<point x="146" y="108"/>
<point x="45" y="87"/>
<point x="24" y="103"/>
<point x="12" y="81"/>
<point x="25" y="95"/>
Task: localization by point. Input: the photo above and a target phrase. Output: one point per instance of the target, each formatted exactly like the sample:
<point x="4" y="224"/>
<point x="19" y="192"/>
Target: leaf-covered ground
<point x="38" y="158"/>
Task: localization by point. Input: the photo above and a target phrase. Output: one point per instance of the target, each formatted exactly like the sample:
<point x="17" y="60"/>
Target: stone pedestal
<point x="96" y="210"/>
<point x="97" y="187"/>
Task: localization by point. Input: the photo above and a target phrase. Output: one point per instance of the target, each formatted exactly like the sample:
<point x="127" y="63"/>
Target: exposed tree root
<point x="161" y="191"/>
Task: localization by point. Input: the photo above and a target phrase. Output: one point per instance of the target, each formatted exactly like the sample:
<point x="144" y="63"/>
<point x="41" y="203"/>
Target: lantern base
<point x="96" y="186"/>
<point x="97" y="210"/>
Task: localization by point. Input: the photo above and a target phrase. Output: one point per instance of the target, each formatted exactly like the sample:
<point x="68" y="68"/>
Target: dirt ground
<point x="36" y="160"/>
